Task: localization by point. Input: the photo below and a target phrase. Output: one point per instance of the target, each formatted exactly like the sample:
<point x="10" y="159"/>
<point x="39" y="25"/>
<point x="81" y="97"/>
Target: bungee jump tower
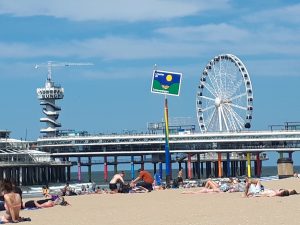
<point x="48" y="96"/>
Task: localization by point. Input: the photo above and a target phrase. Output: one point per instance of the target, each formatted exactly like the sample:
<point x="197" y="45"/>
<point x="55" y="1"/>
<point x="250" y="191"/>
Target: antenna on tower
<point x="51" y="64"/>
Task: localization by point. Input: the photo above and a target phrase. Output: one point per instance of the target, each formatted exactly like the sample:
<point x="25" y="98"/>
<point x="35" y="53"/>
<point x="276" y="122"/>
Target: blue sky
<point x="124" y="39"/>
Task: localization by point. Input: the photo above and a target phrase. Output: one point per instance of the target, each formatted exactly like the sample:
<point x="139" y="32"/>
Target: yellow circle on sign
<point x="169" y="78"/>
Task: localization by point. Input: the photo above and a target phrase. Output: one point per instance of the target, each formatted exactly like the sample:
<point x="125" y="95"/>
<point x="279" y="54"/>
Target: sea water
<point x="98" y="176"/>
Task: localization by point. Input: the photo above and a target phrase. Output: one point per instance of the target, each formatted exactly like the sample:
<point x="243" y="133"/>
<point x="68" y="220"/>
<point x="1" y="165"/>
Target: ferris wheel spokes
<point x="238" y="96"/>
<point x="238" y="106"/>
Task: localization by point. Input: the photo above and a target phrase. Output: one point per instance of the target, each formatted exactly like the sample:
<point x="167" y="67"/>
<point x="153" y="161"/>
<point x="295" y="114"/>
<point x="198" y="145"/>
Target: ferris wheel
<point x="224" y="99"/>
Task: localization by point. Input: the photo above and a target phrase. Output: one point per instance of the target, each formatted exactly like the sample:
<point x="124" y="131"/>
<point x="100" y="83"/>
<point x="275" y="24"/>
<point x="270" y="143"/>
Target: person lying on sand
<point x="276" y="193"/>
<point x="233" y="185"/>
<point x="45" y="203"/>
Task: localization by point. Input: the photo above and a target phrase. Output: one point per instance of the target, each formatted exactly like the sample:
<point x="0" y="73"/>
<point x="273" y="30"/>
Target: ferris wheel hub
<point x="218" y="102"/>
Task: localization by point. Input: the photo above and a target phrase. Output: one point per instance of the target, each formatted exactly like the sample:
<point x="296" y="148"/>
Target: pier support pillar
<point x="116" y="164"/>
<point x="105" y="169"/>
<point x="132" y="168"/>
<point x="228" y="172"/>
<point x="90" y="169"/>
<point x="198" y="166"/>
<point x="258" y="165"/>
<point x="154" y="168"/>
<point x="189" y="166"/>
<point x="160" y="169"/>
<point x="219" y="164"/>
<point x="142" y="163"/>
<point x="208" y="169"/>
<point x="79" y="169"/>
<point x="285" y="165"/>
<point x="248" y="164"/>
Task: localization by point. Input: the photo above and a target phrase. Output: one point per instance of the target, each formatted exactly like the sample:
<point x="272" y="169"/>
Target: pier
<point x="219" y="154"/>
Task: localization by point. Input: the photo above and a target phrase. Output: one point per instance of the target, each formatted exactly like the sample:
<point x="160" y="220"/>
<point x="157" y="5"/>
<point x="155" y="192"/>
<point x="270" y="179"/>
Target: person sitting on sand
<point x="45" y="190"/>
<point x="117" y="178"/>
<point x="297" y="175"/>
<point x="253" y="187"/>
<point x="145" y="178"/>
<point x="12" y="204"/>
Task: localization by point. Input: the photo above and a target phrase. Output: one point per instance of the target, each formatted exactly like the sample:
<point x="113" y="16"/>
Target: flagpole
<point x="167" y="148"/>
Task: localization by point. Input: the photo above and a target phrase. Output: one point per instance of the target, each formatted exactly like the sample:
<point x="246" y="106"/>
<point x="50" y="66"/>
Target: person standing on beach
<point x="145" y="178"/>
<point x="117" y="178"/>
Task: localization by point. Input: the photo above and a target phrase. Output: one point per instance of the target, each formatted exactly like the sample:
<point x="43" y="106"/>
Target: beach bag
<point x="175" y="183"/>
<point x="124" y="188"/>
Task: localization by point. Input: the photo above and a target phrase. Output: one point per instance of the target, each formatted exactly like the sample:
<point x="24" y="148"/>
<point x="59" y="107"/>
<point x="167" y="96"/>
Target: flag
<point x="164" y="82"/>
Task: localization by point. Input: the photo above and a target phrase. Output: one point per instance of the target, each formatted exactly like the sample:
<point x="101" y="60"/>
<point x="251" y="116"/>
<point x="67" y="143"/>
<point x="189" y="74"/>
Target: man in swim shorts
<point x="117" y="178"/>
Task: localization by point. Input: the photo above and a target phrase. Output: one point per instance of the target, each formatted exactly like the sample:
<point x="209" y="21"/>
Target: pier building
<point x="22" y="163"/>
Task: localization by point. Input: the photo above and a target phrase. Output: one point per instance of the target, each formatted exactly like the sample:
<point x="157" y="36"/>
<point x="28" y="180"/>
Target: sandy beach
<point x="170" y="207"/>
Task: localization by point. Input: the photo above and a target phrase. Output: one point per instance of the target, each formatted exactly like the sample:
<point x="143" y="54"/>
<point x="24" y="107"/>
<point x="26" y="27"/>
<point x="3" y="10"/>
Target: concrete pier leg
<point x="285" y="165"/>
<point x="248" y="164"/>
<point x="228" y="174"/>
<point x="161" y="169"/>
<point x="105" y="169"/>
<point x="171" y="171"/>
<point x="207" y="169"/>
<point x="189" y="166"/>
<point x="132" y="168"/>
<point x="142" y="163"/>
<point x="198" y="166"/>
<point x="154" y="168"/>
<point x="202" y="169"/>
<point x="179" y="165"/>
<point x="79" y="169"/>
<point x="90" y="169"/>
<point x="186" y="170"/>
<point x="68" y="173"/>
<point x="115" y="164"/>
<point x="220" y="164"/>
<point x="194" y="169"/>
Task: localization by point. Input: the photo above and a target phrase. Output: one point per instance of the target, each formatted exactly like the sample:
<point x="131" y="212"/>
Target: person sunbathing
<point x="45" y="203"/>
<point x="210" y="187"/>
<point x="233" y="185"/>
<point x="276" y="193"/>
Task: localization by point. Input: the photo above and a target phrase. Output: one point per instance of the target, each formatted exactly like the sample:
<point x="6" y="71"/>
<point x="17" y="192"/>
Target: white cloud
<point x="223" y="38"/>
<point x="113" y="10"/>
<point x="290" y="14"/>
<point x="207" y="32"/>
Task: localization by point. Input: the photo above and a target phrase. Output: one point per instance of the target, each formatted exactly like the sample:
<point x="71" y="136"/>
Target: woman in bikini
<point x="46" y="203"/>
<point x="12" y="204"/>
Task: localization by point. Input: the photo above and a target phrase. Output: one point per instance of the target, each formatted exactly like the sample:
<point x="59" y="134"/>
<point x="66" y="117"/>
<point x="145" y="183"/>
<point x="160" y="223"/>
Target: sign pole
<point x="167" y="83"/>
<point x="167" y="148"/>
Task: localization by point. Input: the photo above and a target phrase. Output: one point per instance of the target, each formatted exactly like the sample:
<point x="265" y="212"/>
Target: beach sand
<point x="170" y="207"/>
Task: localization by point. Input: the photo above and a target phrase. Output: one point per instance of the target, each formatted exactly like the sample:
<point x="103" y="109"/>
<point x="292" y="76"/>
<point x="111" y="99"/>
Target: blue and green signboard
<point x="164" y="82"/>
